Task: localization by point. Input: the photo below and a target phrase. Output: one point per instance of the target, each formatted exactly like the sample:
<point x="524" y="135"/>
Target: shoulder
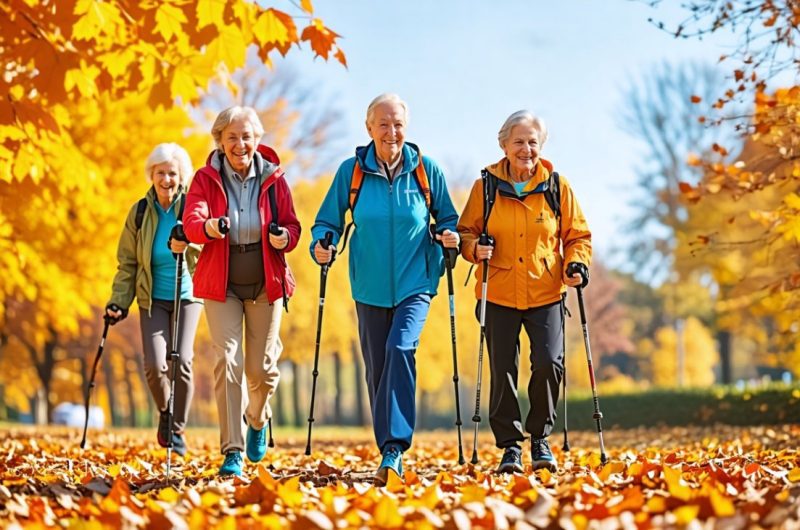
<point x="430" y="165"/>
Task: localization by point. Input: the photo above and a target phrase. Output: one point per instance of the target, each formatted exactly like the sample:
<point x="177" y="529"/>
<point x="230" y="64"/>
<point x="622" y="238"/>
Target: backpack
<point x="357" y="180"/>
<point x="551" y="188"/>
<point x="141" y="207"/>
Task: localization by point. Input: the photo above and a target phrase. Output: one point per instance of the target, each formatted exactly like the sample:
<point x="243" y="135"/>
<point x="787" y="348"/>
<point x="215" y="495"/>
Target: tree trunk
<point x="725" y="340"/>
<point x="361" y="419"/>
<point x="422" y="416"/>
<point x="337" y="379"/>
<point x="139" y="358"/>
<point x="108" y="374"/>
<point x="298" y="415"/>
<point x="131" y="394"/>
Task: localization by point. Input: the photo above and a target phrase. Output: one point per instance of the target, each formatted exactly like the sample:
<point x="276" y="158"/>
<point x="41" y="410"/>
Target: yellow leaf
<point x="471" y="493"/>
<point x="229" y="47"/>
<point x="183" y="86"/>
<point x="673" y="479"/>
<point x="794" y="475"/>
<point x="723" y="506"/>
<point x="386" y="514"/>
<point x="270" y="30"/>
<point x="169" y="21"/>
<point x="686" y="514"/>
<point x="290" y="493"/>
<point x="113" y="470"/>
<point x="792" y="200"/>
<point x="169" y="495"/>
<point x="209" y="499"/>
<point x="306" y="5"/>
<point x="209" y="12"/>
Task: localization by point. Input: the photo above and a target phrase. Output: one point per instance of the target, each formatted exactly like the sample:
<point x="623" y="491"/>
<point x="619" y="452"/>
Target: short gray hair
<point x="232" y="114"/>
<point x="387" y="97"/>
<point x="167" y="153"/>
<point x="521" y="116"/>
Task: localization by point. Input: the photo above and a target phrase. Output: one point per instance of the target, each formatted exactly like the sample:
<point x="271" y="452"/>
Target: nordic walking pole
<point x="323" y="280"/>
<point x="107" y="322"/>
<point x="485" y="240"/>
<point x="275" y="230"/>
<point x="450" y="256"/>
<point x="597" y="414"/>
<point x="564" y="447"/>
<point x="179" y="235"/>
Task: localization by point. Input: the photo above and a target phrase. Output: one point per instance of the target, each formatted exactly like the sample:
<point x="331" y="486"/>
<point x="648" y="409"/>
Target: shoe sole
<point x="510" y="468"/>
<point x="381" y="477"/>
<point x="545" y="464"/>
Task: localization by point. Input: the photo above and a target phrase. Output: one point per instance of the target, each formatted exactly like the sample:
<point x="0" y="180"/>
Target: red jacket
<point x="207" y="199"/>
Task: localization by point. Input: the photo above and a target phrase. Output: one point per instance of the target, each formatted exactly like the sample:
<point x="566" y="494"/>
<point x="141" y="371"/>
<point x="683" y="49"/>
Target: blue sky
<point x="464" y="66"/>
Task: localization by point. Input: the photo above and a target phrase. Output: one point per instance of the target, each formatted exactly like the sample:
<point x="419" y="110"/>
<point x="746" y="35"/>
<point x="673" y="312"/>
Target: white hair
<point x="521" y="116"/>
<point x="232" y="114"/>
<point x="387" y="97"/>
<point x="168" y="153"/>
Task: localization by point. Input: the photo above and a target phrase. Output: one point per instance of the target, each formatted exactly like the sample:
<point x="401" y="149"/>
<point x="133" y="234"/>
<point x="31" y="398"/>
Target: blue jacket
<point x="392" y="255"/>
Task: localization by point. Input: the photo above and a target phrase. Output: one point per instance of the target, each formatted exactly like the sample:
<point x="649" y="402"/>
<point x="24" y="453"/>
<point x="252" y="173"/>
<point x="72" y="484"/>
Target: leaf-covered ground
<point x="720" y="477"/>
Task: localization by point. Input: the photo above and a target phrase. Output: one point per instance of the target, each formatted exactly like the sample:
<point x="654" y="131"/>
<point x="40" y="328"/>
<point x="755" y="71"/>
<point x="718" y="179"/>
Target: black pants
<point x="545" y="328"/>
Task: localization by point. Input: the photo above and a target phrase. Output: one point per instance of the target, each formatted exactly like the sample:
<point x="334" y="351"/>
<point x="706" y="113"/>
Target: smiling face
<point x="166" y="177"/>
<point x="522" y="149"/>
<point x="239" y="144"/>
<point x="387" y="128"/>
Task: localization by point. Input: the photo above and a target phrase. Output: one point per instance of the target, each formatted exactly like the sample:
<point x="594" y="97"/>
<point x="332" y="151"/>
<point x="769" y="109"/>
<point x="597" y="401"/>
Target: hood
<point x="502" y="170"/>
<point x="368" y="160"/>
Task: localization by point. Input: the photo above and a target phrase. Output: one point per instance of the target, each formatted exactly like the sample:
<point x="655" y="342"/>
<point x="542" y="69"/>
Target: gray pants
<point x="545" y="328"/>
<point x="157" y="342"/>
<point x="257" y="361"/>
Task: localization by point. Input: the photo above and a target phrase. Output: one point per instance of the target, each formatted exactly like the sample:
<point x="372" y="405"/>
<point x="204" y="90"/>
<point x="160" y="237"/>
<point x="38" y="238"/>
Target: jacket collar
<point x="368" y="159"/>
<point x="502" y="170"/>
<point x="265" y="158"/>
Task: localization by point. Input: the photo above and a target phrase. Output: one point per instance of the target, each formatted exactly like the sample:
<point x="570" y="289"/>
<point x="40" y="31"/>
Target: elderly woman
<point x="532" y="214"/>
<point x="395" y="264"/>
<point x="147" y="271"/>
<point x="240" y="207"/>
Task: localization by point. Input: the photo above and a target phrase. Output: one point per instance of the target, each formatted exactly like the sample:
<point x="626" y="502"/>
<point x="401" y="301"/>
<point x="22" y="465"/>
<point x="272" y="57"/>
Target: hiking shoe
<point x="392" y="461"/>
<point x="232" y="464"/>
<point x="179" y="443"/>
<point x="541" y="454"/>
<point x="162" y="434"/>
<point x="256" y="443"/>
<point x="512" y="460"/>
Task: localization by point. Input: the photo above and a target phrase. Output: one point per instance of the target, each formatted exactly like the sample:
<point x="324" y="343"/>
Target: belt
<point x="250" y="247"/>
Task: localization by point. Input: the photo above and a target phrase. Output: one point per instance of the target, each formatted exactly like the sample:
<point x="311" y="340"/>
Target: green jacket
<point x="134" y="254"/>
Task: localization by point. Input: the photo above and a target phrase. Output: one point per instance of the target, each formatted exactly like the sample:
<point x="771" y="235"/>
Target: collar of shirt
<point x="392" y="167"/>
<point x="251" y="171"/>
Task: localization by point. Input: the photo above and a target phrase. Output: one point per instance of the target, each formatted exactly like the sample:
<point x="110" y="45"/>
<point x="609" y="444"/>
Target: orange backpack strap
<point x="422" y="181"/>
<point x="355" y="184"/>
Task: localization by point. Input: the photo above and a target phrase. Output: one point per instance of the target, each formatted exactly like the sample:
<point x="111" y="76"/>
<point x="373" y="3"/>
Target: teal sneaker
<point x="541" y="454"/>
<point x="232" y="464"/>
<point x="392" y="460"/>
<point x="256" y="443"/>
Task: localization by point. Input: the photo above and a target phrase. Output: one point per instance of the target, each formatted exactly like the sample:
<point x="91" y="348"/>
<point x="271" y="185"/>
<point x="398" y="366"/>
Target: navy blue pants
<point x="389" y="340"/>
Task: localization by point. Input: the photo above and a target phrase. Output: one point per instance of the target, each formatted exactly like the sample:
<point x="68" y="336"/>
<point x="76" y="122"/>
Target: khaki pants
<point x="257" y="362"/>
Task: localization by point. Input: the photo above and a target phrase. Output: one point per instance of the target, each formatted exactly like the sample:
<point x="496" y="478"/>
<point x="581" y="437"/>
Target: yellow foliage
<point x="699" y="355"/>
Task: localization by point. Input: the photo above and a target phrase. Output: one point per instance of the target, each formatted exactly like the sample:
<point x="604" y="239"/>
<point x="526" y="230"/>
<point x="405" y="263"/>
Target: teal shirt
<point x="162" y="263"/>
<point x="519" y="186"/>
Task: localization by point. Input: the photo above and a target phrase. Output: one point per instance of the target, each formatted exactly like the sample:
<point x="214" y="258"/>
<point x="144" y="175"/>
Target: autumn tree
<point x="70" y="69"/>
<point x="766" y="36"/>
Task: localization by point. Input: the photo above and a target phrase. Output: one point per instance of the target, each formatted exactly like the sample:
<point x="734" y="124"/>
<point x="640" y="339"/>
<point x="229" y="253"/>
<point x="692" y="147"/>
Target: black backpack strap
<point x="553" y="194"/>
<point x="141" y="206"/>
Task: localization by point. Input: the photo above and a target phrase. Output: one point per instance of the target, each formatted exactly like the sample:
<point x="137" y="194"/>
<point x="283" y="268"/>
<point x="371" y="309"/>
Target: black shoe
<point x="162" y="434"/>
<point x="512" y="460"/>
<point x="541" y="454"/>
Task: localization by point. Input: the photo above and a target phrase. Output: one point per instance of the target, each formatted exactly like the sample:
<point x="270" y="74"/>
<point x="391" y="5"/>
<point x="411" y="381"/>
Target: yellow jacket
<point x="527" y="263"/>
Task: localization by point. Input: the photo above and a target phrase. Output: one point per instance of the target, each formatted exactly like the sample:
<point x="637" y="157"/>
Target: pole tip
<point x="308" y="450"/>
<point x="461" y="460"/>
<point x="565" y="447"/>
<point x="474" y="458"/>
